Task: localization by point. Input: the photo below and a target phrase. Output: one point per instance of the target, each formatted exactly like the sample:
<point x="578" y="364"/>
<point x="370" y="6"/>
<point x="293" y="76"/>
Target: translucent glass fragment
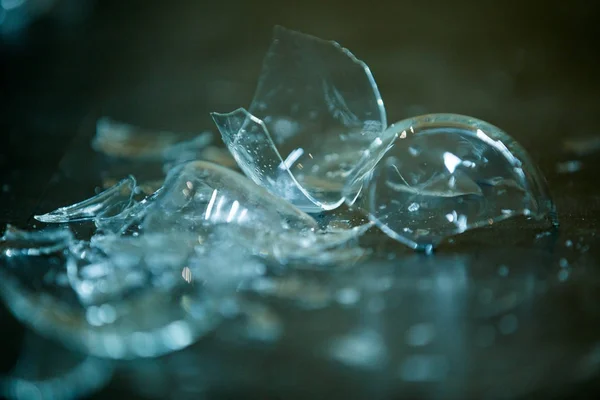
<point x="140" y="300"/>
<point x="17" y="242"/>
<point x="129" y="218"/>
<point x="198" y="196"/>
<point x="444" y="174"/>
<point x="315" y="112"/>
<point x="121" y="140"/>
<point x="109" y="203"/>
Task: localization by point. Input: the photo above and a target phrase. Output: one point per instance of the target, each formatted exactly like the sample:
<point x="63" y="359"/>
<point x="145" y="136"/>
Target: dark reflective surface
<point x="505" y="312"/>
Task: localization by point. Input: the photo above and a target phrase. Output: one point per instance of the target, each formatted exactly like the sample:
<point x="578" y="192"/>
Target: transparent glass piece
<point x="127" y="304"/>
<point x="121" y="140"/>
<point x="199" y="196"/>
<point x="17" y="242"/>
<point x="45" y="370"/>
<point x="129" y="218"/>
<point x="315" y="112"/>
<point x="109" y="203"/>
<point x="445" y="174"/>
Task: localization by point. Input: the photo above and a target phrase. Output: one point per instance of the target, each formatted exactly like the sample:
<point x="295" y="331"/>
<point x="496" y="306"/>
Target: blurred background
<point x="529" y="67"/>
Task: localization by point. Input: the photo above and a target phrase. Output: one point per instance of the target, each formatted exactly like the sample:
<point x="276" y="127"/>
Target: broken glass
<point x="315" y="112"/>
<point x="17" y="242"/>
<point x="444" y="174"/>
<point x="121" y="140"/>
<point x="148" y="154"/>
<point x="166" y="254"/>
<point x="129" y="219"/>
<point x="143" y="299"/>
<point x="199" y="196"/>
<point x="107" y="204"/>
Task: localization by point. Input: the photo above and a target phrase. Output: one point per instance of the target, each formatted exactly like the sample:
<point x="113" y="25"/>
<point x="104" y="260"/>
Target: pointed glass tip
<point x="316" y="110"/>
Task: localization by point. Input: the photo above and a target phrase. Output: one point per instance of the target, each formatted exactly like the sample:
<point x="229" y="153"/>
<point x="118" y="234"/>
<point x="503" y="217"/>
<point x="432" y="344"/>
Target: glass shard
<point x="143" y="299"/>
<point x="444" y="174"/>
<point x="198" y="197"/>
<point x="123" y="140"/>
<point x="315" y="112"/>
<point x="129" y="218"/>
<point x="200" y="194"/>
<point x="17" y="242"/>
<point x="107" y="204"/>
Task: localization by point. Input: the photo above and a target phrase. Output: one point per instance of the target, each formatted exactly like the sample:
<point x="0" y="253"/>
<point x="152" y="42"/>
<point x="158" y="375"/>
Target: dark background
<point x="529" y="67"/>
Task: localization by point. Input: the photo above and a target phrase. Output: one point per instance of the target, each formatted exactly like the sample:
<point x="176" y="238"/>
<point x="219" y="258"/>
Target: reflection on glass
<point x="444" y="174"/>
<point x="315" y="111"/>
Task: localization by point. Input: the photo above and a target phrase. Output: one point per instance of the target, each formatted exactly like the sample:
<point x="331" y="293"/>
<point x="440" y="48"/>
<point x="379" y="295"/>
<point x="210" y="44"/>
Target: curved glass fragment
<point x="121" y="298"/>
<point x="315" y="112"/>
<point x="128" y="219"/>
<point x="200" y="194"/>
<point x="107" y="204"/>
<point x="219" y="204"/>
<point x="444" y="174"/>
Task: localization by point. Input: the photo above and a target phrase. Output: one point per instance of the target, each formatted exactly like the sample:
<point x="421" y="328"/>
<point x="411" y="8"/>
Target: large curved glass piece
<point x="444" y="174"/>
<point x="315" y="112"/>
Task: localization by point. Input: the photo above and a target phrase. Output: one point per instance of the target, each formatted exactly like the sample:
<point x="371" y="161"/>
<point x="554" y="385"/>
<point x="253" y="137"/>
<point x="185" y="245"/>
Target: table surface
<point x="530" y="68"/>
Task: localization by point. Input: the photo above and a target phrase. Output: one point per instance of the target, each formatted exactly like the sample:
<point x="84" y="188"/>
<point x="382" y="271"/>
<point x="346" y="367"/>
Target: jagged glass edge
<point x="382" y="113"/>
<point x="252" y="119"/>
<point x="353" y="58"/>
<point x="61" y="214"/>
<point x="532" y="178"/>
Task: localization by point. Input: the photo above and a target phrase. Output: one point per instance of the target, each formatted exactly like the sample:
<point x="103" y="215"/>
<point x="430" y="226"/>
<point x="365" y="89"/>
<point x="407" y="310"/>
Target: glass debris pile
<point x="166" y="265"/>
